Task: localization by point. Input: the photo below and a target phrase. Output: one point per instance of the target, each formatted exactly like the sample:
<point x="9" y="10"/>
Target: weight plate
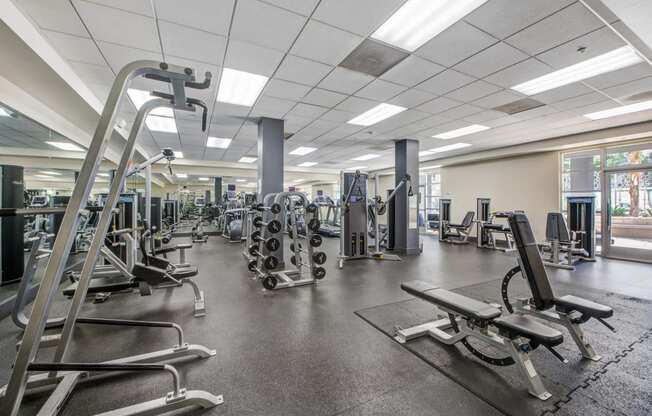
<point x="270" y="282"/>
<point x="315" y="240"/>
<point x="318" y="273"/>
<point x="313" y="225"/>
<point x="319" y="257"/>
<point x="272" y="244"/>
<point x="258" y="221"/>
<point x="270" y="262"/>
<point x="274" y="226"/>
<point x="253" y="250"/>
<point x="252" y="266"/>
<point x="255" y="235"/>
<point x="275" y="208"/>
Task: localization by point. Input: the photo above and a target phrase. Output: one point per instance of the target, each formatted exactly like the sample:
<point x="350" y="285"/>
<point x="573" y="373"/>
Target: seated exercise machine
<point x="568" y="310"/>
<point x="487" y="227"/>
<point x="61" y="375"/>
<point x="463" y="318"/>
<point x="453" y="233"/>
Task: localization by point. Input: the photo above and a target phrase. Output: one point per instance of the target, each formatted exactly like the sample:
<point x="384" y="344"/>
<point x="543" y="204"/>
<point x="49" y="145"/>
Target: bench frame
<point x="514" y="347"/>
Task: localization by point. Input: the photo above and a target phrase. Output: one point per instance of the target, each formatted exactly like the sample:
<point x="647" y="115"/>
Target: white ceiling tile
<point x="443" y="128"/>
<point x="304" y="7"/>
<point x="521" y="72"/>
<point x="134" y="6"/>
<point x="497" y="99"/>
<point x="345" y="80"/>
<point x="562" y="93"/>
<point x="467" y="40"/>
<point x="323" y="98"/>
<point x="232" y="110"/>
<point x="622" y="76"/>
<point x="338" y="115"/>
<point x="324" y="43"/>
<point x="119" y="56"/>
<point x="210" y="15"/>
<point x="117" y="26"/>
<point x="502" y="121"/>
<point x="502" y="18"/>
<point x="483" y="116"/>
<point x="473" y="91"/>
<point x="251" y="58"/>
<point x="596" y="43"/>
<point x="359" y="16"/>
<point x="282" y="105"/>
<point x="462" y="111"/>
<point x="567" y="24"/>
<point x="624" y="91"/>
<point x="303" y="71"/>
<point x="265" y="25"/>
<point x="307" y="111"/>
<point x="400" y="119"/>
<point x="579" y="101"/>
<point x="535" y="113"/>
<point x="285" y="89"/>
<point x="411" y="71"/>
<point x="193" y="44"/>
<point x="95" y="74"/>
<point x="411" y="98"/>
<point x="447" y="81"/>
<point x="491" y="60"/>
<point x="438" y="105"/>
<point x="75" y="48"/>
<point x="57" y="15"/>
<point x="380" y="90"/>
<point x="356" y="105"/>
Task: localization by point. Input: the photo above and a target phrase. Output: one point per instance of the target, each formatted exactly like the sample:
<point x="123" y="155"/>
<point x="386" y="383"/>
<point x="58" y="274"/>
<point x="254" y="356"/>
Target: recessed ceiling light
<point x="50" y="172"/>
<point x="430" y="167"/>
<point x="298" y="180"/>
<point x="366" y="157"/>
<point x="43" y="176"/>
<point x="307" y="164"/>
<point x="610" y="61"/>
<point x="376" y="114"/>
<point x="4" y="113"/>
<point x="619" y="111"/>
<point x="418" y="21"/>
<point x="247" y="159"/>
<point x="241" y="180"/>
<point x="218" y="142"/>
<point x="162" y="124"/>
<point x="302" y="151"/>
<point x="475" y="128"/>
<point x="203" y="179"/>
<point x="178" y="155"/>
<point x="250" y="184"/>
<point x="356" y="168"/>
<point x="140" y="97"/>
<point x="66" y="146"/>
<point x="449" y="147"/>
<point x="103" y="174"/>
<point x="239" y="87"/>
<point x="182" y="175"/>
<point x="424" y="153"/>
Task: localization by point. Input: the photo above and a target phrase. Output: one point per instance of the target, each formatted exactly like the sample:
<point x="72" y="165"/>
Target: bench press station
<point x="515" y="335"/>
<point x="568" y="310"/>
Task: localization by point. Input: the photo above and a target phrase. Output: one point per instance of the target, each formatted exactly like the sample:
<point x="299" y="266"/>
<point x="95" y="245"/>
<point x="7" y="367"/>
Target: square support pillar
<point x="271" y="139"/>
<point x="406" y="208"/>
<point x="217" y="189"/>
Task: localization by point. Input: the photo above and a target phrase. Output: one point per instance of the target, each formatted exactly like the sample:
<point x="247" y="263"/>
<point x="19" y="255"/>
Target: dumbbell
<point x="319" y="257"/>
<point x="271" y="244"/>
<point x="274" y="208"/>
<point x="274" y="226"/>
<point x="269" y="282"/>
<point x="270" y="262"/>
<point x="315" y="240"/>
<point x="318" y="272"/>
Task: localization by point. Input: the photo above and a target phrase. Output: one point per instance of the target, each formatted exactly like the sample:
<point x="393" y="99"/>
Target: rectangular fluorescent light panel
<point x="430" y="167"/>
<point x="140" y="97"/>
<point x="43" y="176"/>
<point x="376" y="114"/>
<point x="475" y="128"/>
<point x="424" y="153"/>
<point x="302" y="151"/>
<point x="218" y="142"/>
<point x="449" y="147"/>
<point x="162" y="124"/>
<point x="178" y="155"/>
<point x="608" y="62"/>
<point x="247" y="159"/>
<point x="307" y="164"/>
<point x="366" y="157"/>
<point x="182" y="175"/>
<point x="619" y="111"/>
<point x="50" y="172"/>
<point x="66" y="146"/>
<point x="241" y="180"/>
<point x="418" y="21"/>
<point x="239" y="87"/>
<point x="203" y="179"/>
<point x="106" y="175"/>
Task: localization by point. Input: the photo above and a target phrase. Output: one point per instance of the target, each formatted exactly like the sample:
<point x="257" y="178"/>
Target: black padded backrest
<point x="556" y="228"/>
<point x="531" y="261"/>
<point x="468" y="219"/>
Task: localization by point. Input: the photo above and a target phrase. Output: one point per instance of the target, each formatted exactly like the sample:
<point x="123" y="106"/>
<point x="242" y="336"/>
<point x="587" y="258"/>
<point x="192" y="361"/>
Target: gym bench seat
<point x="570" y="303"/>
<point x="515" y="335"/>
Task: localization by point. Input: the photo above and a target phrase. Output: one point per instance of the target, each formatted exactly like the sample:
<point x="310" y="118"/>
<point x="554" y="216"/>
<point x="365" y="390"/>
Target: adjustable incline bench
<point x="515" y="335"/>
<point x="569" y="311"/>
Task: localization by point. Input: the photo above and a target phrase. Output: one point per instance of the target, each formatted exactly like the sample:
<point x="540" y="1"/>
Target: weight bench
<point x="559" y="241"/>
<point x="514" y="335"/>
<point x="182" y="253"/>
<point x="568" y="311"/>
<point x="458" y="233"/>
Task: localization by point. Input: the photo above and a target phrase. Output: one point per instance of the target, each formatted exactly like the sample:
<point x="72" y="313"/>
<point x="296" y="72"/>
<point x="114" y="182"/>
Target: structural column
<point x="271" y="139"/>
<point x="217" y="189"/>
<point x="406" y="208"/>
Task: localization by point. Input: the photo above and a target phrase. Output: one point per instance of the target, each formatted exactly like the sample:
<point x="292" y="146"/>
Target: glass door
<point x="628" y="233"/>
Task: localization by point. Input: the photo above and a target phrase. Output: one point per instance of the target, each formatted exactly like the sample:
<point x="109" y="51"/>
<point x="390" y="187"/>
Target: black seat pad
<point x="103" y="284"/>
<point x="183" y="246"/>
<point x="152" y="275"/>
<point x="165" y="250"/>
<point x="459" y="226"/>
<point x="570" y="303"/>
<point x="451" y="301"/>
<point x="497" y="227"/>
<point x="184" y="272"/>
<point x="529" y="328"/>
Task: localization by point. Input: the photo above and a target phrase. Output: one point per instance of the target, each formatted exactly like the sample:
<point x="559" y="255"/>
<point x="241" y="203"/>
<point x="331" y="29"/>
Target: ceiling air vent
<point x="330" y="163"/>
<point x="519" y="106"/>
<point x="373" y="58"/>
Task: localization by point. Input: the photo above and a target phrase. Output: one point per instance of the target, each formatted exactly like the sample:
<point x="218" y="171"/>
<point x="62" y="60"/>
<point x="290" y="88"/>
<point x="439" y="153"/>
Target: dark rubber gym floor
<point x="301" y="351"/>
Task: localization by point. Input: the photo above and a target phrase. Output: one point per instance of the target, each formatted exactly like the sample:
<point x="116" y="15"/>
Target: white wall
<point x="529" y="183"/>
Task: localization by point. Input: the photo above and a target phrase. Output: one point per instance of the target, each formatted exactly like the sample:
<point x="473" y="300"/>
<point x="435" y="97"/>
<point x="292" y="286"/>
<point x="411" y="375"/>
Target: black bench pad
<point x="184" y="272"/>
<point x="568" y="303"/>
<point x="452" y="301"/>
<point x="165" y="250"/>
<point x="497" y="227"/>
<point x="103" y="284"/>
<point x="183" y="246"/>
<point x="523" y="325"/>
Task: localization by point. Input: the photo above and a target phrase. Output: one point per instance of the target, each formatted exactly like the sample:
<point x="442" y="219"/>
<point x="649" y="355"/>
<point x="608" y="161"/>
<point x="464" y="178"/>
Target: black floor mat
<point x="579" y="387"/>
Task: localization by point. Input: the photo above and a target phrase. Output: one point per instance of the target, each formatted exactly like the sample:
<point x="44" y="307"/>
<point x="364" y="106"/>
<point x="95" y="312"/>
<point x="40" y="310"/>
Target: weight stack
<point x="12" y="245"/>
